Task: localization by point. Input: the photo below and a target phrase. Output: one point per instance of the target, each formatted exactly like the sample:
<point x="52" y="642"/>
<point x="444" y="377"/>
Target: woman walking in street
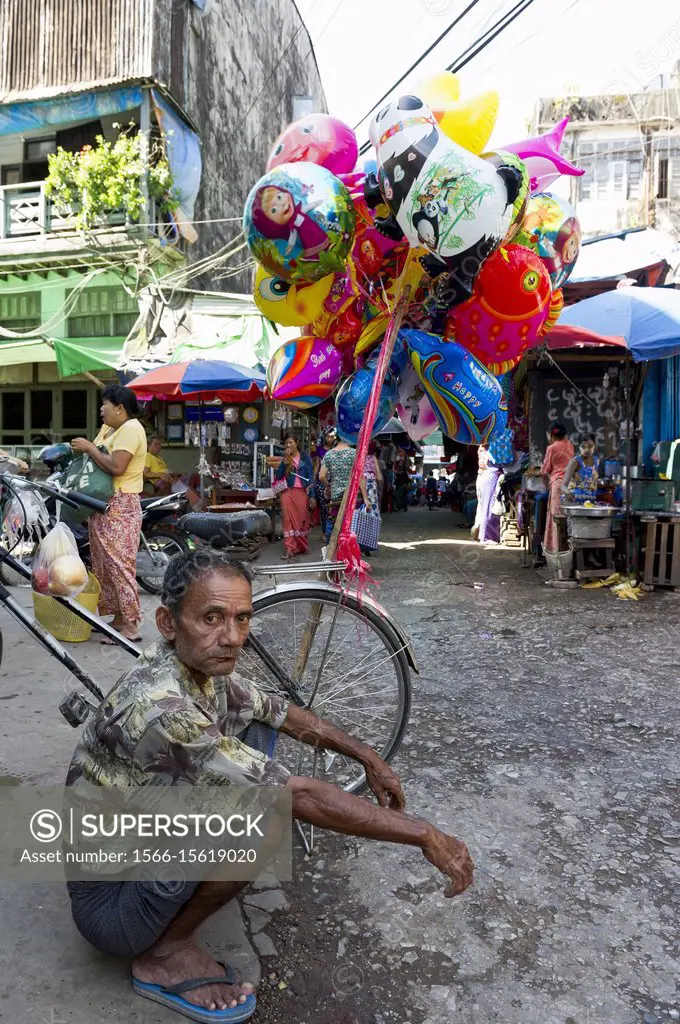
<point x="114" y="534"/>
<point x="297" y="497"/>
<point x="487" y="525"/>
<point x="336" y="470"/>
<point x="372" y="486"/>
<point x="559" y="454"/>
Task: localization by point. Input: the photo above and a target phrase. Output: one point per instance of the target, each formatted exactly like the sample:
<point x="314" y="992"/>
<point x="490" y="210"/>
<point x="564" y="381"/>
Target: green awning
<point x="247" y="340"/>
<point x="72" y="355"/>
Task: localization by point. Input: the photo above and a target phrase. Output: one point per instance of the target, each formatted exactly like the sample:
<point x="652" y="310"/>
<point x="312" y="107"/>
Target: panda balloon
<point x="457" y="206"/>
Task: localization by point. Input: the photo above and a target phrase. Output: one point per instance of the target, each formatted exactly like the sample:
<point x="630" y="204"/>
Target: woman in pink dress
<point x="558" y="456"/>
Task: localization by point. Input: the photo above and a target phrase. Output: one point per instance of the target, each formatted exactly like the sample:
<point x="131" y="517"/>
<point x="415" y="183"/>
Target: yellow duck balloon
<point x="466" y="122"/>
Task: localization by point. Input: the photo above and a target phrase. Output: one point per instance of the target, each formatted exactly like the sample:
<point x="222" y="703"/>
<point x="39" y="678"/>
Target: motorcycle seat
<point x="224" y="529"/>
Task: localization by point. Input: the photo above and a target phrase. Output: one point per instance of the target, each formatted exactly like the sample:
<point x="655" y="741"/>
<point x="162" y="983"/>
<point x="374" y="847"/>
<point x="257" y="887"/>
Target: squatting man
<point x="179" y="716"/>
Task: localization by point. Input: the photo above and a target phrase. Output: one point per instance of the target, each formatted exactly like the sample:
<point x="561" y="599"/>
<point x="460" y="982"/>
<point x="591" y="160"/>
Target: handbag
<point x="85" y="476"/>
<point x="366" y="527"/>
<point x="279" y="486"/>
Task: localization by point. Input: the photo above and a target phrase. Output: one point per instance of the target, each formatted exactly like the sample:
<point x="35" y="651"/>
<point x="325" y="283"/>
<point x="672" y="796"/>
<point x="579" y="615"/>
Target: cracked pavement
<point x="544" y="733"/>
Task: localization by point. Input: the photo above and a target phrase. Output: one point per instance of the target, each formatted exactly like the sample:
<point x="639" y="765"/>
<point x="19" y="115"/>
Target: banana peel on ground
<point x="625" y="590"/>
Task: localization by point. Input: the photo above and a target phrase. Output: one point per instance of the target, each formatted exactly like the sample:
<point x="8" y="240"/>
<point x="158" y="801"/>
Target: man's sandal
<point x="172" y="998"/>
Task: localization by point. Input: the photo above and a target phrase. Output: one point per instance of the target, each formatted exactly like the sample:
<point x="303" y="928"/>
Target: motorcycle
<point x="160" y="540"/>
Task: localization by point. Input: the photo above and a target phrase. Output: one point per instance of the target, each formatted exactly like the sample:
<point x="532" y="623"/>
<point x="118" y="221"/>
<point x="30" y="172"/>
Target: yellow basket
<point x="62" y="623"/>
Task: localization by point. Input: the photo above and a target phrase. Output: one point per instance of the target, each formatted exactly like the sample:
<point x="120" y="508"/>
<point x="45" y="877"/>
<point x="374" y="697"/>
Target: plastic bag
<point x="26" y="517"/>
<point x="57" y="566"/>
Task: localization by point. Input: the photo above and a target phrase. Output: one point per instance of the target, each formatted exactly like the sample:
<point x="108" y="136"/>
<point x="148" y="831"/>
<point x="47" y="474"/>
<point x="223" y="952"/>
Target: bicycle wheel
<point x="166" y="545"/>
<point x="356" y="676"/>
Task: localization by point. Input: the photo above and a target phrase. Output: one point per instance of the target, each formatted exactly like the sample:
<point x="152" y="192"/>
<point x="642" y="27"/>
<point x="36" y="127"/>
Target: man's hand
<point x="384" y="784"/>
<point x="452" y="858"/>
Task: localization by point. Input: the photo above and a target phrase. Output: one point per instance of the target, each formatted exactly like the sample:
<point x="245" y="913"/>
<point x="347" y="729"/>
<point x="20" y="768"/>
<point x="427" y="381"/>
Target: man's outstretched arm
<point x="307" y="727"/>
<point x="326" y="806"/>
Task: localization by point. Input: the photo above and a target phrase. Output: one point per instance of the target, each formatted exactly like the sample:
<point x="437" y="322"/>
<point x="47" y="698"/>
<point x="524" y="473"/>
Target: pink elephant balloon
<point x="542" y="157"/>
<point x="318" y="139"/>
<point x="413" y="408"/>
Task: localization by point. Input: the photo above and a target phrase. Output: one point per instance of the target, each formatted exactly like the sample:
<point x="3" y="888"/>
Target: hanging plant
<point x="89" y="185"/>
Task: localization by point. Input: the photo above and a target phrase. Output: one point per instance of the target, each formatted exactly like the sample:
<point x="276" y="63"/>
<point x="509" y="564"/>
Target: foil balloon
<point x="304" y="372"/>
<point x="467" y="122"/>
<point x="289" y="304"/>
<point x="512" y="301"/>
<point x="299" y="222"/>
<point x="399" y="358"/>
<point x="319" y="139"/>
<point x="414" y="408"/>
<point x="542" y="156"/>
<point x="446" y="200"/>
<point x="467" y="400"/>
<point x="551" y="228"/>
<point x="352" y="399"/>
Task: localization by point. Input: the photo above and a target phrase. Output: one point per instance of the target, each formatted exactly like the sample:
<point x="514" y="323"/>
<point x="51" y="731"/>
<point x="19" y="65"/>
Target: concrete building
<point x="216" y="81"/>
<point x="629" y="146"/>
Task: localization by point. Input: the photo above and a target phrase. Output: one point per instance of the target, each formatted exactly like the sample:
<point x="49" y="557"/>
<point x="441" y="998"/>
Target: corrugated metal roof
<point x="52" y="46"/>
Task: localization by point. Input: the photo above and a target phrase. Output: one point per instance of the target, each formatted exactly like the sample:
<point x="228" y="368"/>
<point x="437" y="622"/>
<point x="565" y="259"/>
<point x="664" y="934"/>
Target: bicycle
<point x="318" y="643"/>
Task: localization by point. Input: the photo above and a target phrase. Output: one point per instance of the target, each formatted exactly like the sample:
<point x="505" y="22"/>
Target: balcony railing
<point x="25" y="210"/>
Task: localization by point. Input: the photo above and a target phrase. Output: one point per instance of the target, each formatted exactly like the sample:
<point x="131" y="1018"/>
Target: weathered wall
<point x="244" y="61"/>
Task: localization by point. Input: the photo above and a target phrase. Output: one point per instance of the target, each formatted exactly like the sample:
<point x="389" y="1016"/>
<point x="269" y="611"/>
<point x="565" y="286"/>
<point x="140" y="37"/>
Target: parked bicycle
<point x="317" y="642"/>
<point x="35" y="510"/>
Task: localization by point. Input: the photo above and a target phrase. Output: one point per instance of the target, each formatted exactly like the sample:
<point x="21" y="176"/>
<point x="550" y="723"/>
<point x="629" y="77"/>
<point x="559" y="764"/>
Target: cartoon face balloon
<point x="414" y="408"/>
<point x="467" y="400"/>
<point x="304" y="372"/>
<point x="511" y="302"/>
<point x="455" y="205"/>
<point x="551" y="228"/>
<point x="319" y="139"/>
<point x="289" y="304"/>
<point x="299" y="222"/>
<point x="352" y="399"/>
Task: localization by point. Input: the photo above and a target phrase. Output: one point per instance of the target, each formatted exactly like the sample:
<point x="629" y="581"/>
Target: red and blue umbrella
<point x="201" y="379"/>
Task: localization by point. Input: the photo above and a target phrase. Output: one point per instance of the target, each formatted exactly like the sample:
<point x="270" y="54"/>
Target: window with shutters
<point x="103" y="313"/>
<point x="21" y="312"/>
<point x="635" y="179"/>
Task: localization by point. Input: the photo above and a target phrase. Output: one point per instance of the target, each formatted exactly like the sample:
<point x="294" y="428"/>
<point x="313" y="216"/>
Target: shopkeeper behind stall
<point x="558" y="457"/>
<point x="582" y="474"/>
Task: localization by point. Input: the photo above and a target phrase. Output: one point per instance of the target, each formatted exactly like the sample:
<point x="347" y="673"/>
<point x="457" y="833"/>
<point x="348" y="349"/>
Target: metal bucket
<point x="589" y="528"/>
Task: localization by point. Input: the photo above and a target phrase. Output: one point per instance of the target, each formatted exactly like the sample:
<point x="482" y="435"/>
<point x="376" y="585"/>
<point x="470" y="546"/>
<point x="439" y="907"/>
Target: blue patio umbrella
<point x="217" y="375"/>
<point x="648" y="319"/>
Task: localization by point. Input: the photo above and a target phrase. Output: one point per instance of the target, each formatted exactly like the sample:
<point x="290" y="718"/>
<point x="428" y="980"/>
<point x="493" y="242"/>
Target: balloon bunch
<point x="332" y="235"/>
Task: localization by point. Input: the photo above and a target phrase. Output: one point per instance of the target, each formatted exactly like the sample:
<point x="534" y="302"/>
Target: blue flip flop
<point x="172" y="998"/>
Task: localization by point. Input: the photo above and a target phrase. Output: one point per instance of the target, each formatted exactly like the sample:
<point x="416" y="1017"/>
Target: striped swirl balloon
<point x="304" y="372"/>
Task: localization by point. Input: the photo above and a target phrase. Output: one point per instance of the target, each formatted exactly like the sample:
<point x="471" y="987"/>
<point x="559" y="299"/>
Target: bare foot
<point x="170" y="966"/>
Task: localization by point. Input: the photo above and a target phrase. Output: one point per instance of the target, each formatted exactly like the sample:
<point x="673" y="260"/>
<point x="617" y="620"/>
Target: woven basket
<point x="64" y="624"/>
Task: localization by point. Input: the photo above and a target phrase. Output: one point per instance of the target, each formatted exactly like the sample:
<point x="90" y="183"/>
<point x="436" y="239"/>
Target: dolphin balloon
<point x="542" y="156"/>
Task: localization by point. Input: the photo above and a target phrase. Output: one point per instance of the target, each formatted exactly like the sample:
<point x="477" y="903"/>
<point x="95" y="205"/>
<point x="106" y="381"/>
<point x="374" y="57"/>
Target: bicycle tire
<point x="386" y="635"/>
<point x="182" y="546"/>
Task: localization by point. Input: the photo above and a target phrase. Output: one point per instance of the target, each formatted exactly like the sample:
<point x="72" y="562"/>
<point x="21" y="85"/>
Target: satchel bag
<point x="85" y="476"/>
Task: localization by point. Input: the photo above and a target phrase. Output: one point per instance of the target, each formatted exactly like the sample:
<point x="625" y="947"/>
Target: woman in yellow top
<point x="114" y="534"/>
<point x="156" y="472"/>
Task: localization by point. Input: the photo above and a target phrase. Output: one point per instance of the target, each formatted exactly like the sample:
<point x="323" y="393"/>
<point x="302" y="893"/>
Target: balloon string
<point x="386" y="350"/>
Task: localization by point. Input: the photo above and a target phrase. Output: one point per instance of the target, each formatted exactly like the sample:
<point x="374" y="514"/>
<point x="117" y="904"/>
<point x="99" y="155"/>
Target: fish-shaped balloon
<point x="466" y="398"/>
<point x="511" y="302"/>
<point x="542" y="156"/>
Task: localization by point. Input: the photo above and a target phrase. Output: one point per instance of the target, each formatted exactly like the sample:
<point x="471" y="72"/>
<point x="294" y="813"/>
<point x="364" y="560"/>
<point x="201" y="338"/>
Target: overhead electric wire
<point x="492" y="32"/>
<point x="477" y="46"/>
<point x="428" y="51"/>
